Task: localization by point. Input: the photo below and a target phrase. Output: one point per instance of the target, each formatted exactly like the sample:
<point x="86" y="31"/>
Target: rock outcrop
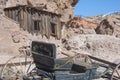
<point x="105" y="27"/>
<point x="78" y="22"/>
<point x="100" y="46"/>
<point x="109" y="26"/>
<point x="2" y="5"/>
<point x="63" y="7"/>
<point x="78" y="25"/>
<point x="7" y="27"/>
<point x="75" y="40"/>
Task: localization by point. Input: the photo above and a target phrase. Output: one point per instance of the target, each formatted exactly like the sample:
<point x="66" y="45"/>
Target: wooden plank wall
<point x="26" y="16"/>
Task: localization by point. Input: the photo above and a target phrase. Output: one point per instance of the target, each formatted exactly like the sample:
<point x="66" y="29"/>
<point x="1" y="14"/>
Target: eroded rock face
<point x="79" y="39"/>
<point x="77" y="22"/>
<point x="2" y="5"/>
<point x="63" y="7"/>
<point x="105" y="27"/>
<point x="79" y="25"/>
<point x="109" y="26"/>
<point x="13" y="3"/>
<point x="100" y="46"/>
<point x="7" y="45"/>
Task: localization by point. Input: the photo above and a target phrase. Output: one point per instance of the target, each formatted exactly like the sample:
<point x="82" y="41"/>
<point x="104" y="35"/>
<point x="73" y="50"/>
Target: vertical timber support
<point x="32" y="22"/>
<point x="21" y="19"/>
<point x="46" y="26"/>
<point x="58" y="28"/>
<point x="11" y="13"/>
<point x="6" y="13"/>
<point x="43" y="24"/>
<point x="14" y="15"/>
<point x="49" y="25"/>
<point x="29" y="20"/>
<point x="25" y="20"/>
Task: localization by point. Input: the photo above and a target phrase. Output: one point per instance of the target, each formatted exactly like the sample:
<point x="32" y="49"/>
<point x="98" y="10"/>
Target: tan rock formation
<point x="108" y="26"/>
<point x="13" y="3"/>
<point x="2" y="5"/>
<point x="105" y="27"/>
<point x="63" y="7"/>
<point x="77" y="22"/>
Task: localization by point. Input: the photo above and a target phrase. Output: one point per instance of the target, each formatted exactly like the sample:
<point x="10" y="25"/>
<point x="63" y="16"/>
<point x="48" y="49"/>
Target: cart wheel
<point x="116" y="73"/>
<point x="17" y="67"/>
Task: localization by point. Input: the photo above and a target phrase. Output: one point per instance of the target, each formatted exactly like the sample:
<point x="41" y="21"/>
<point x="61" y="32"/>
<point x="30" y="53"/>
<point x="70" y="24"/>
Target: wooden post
<point x="29" y="20"/>
<point x="16" y="12"/>
<point x="14" y="15"/>
<point x="25" y="20"/>
<point x="43" y="24"/>
<point x="6" y="13"/>
<point x="58" y="26"/>
<point x="11" y="13"/>
<point x="40" y="24"/>
<point x="21" y="19"/>
<point x="49" y="26"/>
<point x="32" y="21"/>
<point x="46" y="26"/>
<point x="31" y="24"/>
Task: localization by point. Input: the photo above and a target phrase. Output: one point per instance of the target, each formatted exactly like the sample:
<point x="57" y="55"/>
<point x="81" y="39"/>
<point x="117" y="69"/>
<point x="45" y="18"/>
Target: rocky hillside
<point x="2" y="5"/>
<point x="63" y="7"/>
<point x="101" y="41"/>
<point x="97" y="18"/>
<point x="77" y="22"/>
<point x="7" y="46"/>
<point x="12" y="38"/>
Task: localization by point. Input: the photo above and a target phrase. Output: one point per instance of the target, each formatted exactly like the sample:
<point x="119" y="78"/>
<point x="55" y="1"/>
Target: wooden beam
<point x="21" y="17"/>
<point x="46" y="26"/>
<point x="58" y="28"/>
<point x="17" y="64"/>
<point x="25" y="20"/>
<point x="32" y="25"/>
<point x="11" y="13"/>
<point x="40" y="24"/>
<point x="29" y="22"/>
<point x="49" y="26"/>
<point x="6" y="13"/>
<point x="43" y="24"/>
<point x="14" y="15"/>
<point x="103" y="61"/>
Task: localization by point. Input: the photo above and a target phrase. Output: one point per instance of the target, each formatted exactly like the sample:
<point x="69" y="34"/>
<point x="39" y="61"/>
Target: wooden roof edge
<point x="35" y="8"/>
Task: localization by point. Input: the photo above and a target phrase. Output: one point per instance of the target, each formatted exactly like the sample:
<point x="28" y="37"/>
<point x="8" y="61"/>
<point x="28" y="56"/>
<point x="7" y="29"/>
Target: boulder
<point x="106" y="27"/>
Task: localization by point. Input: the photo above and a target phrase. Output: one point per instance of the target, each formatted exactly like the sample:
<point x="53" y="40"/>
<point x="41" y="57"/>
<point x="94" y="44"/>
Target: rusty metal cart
<point x="45" y="66"/>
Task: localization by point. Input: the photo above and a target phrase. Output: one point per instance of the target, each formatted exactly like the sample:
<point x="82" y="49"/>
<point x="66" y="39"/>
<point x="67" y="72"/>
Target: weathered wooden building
<point x="36" y="21"/>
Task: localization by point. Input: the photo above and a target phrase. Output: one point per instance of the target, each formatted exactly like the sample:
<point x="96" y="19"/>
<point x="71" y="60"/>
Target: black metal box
<point x="44" y="56"/>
